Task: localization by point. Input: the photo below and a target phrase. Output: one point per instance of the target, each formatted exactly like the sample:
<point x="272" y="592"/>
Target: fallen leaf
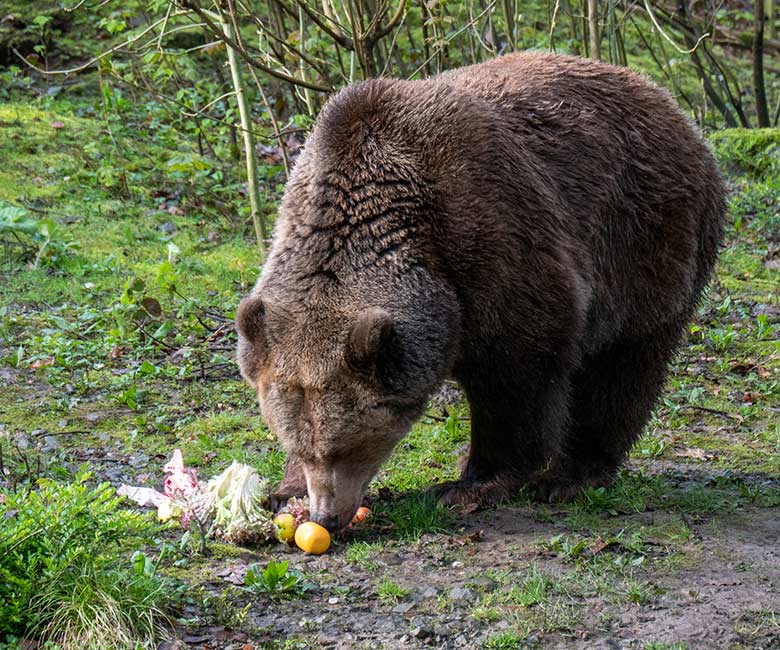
<point x="600" y="545"/>
<point x="152" y="307"/>
<point x="40" y="363"/>
<point x="696" y="453"/>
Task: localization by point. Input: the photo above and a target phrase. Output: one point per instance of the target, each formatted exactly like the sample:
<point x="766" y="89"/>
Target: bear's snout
<point x="331" y="522"/>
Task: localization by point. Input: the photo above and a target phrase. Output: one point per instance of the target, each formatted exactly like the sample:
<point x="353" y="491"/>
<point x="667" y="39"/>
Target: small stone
<point x="402" y="608"/>
<point x="461" y="593"/>
<point x="441" y="630"/>
<point x="139" y="460"/>
<point x="50" y="443"/>
<point x="430" y="592"/>
<point x="457" y="564"/>
<point x="168" y="227"/>
<point x="333" y="600"/>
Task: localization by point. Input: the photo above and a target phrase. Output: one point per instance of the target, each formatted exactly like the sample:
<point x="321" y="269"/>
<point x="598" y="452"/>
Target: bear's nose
<point x="331" y="522"/>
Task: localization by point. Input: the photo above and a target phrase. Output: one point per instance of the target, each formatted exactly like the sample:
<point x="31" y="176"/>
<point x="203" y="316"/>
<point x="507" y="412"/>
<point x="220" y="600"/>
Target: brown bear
<point x="538" y="227"/>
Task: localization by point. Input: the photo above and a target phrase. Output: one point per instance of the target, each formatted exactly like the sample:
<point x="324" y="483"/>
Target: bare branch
<point x="220" y="34"/>
<point x="391" y="25"/>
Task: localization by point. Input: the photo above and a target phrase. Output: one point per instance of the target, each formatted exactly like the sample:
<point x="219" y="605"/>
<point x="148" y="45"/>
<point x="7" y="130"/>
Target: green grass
<point x="414" y="515"/>
<point x="504" y="641"/>
<point x="389" y="592"/>
<point x="363" y="554"/>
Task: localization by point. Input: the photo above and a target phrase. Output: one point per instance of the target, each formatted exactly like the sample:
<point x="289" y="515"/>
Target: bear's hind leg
<point x="613" y="397"/>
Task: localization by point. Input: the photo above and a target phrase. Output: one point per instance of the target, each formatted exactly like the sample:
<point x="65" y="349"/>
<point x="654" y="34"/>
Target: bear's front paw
<point x="278" y="500"/>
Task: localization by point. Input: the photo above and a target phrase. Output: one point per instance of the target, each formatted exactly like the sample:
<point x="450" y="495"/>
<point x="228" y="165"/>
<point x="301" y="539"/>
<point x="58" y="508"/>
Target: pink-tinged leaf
<point x="180" y="480"/>
<point x="176" y="463"/>
<point x="180" y="483"/>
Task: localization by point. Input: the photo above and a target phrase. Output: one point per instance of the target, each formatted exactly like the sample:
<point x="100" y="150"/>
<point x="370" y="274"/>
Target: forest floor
<point x="116" y="346"/>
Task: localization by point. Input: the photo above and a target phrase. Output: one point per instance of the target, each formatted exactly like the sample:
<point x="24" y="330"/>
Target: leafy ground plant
<point x="277" y="580"/>
<point x="66" y="575"/>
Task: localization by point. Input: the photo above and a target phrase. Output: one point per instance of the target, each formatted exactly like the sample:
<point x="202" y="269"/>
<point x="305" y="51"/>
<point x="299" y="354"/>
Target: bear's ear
<point x="250" y="319"/>
<point x="369" y="335"/>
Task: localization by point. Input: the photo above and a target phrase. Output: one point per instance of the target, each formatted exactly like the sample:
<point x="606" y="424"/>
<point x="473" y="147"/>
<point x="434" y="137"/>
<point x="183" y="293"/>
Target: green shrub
<point x="66" y="574"/>
<point x="748" y="152"/>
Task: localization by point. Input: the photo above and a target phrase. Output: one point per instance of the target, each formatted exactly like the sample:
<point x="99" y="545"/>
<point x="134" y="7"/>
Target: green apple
<point x="285" y="526"/>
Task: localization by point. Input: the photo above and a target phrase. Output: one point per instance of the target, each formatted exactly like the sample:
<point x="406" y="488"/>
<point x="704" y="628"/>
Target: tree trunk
<point x="758" y="65"/>
<point x="593" y="24"/>
<point x="258" y="219"/>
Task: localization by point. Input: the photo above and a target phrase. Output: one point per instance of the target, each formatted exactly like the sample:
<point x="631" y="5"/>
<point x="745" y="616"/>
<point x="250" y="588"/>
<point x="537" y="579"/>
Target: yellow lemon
<point x="312" y="538"/>
<point x="285" y="526"/>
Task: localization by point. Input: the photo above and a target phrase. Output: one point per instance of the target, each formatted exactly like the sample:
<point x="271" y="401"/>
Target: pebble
<point x="333" y="600"/>
<point x="461" y="593"/>
<point x="420" y="632"/>
<point x="402" y="608"/>
<point x="430" y="592"/>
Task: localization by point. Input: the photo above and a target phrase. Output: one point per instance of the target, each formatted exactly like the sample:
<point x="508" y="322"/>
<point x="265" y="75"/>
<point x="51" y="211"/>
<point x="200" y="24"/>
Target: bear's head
<point x="340" y="386"/>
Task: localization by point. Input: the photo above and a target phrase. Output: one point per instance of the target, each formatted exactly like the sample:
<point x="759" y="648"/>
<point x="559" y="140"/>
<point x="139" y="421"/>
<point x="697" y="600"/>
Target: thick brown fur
<point x="538" y="227"/>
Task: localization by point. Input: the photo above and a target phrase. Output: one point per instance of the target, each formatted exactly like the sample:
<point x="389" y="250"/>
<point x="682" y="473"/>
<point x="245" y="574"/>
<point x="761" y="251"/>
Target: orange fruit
<point x="312" y="538"/>
<point x="361" y="515"/>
